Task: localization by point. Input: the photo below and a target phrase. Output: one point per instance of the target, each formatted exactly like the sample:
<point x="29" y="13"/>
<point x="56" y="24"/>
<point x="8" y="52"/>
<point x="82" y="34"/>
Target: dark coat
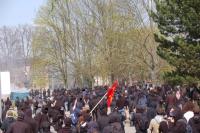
<point x="195" y="124"/>
<point x="40" y="118"/>
<point x="163" y="127"/>
<point x="179" y="127"/>
<point x="17" y="102"/>
<point x="121" y="103"/>
<point x="8" y="103"/>
<point x="32" y="123"/>
<point x="103" y="121"/>
<point x="59" y="103"/>
<point x="6" y="123"/>
<point x="141" y="122"/>
<point x="4" y="114"/>
<point x="19" y="127"/>
<point x="153" y="100"/>
<point x="65" y="130"/>
<point x="170" y="101"/>
<point x="113" y="128"/>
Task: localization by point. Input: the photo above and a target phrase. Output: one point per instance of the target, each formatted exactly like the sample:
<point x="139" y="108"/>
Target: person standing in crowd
<point x="179" y="101"/>
<point x="114" y="125"/>
<point x="30" y="121"/>
<point x="67" y="126"/>
<point x="45" y="127"/>
<point x="103" y="120"/>
<point x="8" y="121"/>
<point x="195" y="121"/>
<point x="48" y="92"/>
<point x="17" y="102"/>
<point x="19" y="126"/>
<point x="41" y="117"/>
<point x="8" y="103"/>
<point x="183" y="125"/>
<point x="146" y="107"/>
<point x="155" y="122"/>
<point x="140" y="120"/>
<point x="44" y="93"/>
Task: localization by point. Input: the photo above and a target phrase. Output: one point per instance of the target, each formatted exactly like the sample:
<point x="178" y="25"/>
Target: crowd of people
<point x="158" y="109"/>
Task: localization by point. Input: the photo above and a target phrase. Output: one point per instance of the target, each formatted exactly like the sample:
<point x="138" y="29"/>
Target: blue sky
<point x="15" y="12"/>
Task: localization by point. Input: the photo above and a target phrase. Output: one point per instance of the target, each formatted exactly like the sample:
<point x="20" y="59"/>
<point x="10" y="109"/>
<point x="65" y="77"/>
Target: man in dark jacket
<point x="140" y="119"/>
<point x="19" y="126"/>
<point x="44" y="94"/>
<point x="103" y="120"/>
<point x="3" y="115"/>
<point x="8" y="103"/>
<point x="45" y="127"/>
<point x="195" y="122"/>
<point x="114" y="125"/>
<point x="17" y="102"/>
<point x="48" y="93"/>
<point x="67" y="128"/>
<point x="30" y="121"/>
<point x="8" y="121"/>
<point x="42" y="117"/>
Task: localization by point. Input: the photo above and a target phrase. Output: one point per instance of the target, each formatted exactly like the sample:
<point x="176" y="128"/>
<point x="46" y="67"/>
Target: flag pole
<point x="96" y="106"/>
<point x="112" y="89"/>
<point x="98" y="103"/>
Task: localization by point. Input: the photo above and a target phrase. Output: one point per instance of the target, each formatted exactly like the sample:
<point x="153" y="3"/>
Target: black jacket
<point x="6" y="123"/>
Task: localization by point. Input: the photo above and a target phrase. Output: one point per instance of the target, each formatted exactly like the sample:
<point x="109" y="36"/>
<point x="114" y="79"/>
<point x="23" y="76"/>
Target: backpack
<point x="143" y="123"/>
<point x="188" y="127"/>
<point x="142" y="101"/>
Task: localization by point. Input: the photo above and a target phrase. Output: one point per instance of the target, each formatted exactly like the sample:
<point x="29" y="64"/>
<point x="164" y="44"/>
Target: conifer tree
<point x="178" y="22"/>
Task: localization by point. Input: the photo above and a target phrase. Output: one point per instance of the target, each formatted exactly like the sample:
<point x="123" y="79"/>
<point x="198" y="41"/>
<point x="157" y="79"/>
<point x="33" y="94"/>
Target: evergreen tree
<point x="178" y="22"/>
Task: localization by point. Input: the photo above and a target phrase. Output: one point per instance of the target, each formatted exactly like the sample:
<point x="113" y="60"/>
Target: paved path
<point x="128" y="128"/>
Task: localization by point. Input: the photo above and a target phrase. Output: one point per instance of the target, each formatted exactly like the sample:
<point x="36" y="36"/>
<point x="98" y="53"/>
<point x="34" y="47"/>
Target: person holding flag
<point x="109" y="94"/>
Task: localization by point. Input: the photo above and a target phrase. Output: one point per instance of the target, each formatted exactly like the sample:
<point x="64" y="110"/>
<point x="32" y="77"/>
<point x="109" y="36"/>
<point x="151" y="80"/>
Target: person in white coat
<point x="155" y="122"/>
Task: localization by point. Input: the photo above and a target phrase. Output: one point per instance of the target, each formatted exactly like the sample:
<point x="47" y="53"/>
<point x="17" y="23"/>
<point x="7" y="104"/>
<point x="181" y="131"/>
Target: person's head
<point x="196" y="95"/>
<point x="188" y="106"/>
<point x="67" y="122"/>
<point x="196" y="109"/>
<point x="114" y="118"/>
<point x="151" y="89"/>
<point x="20" y="116"/>
<point x="21" y="108"/>
<point x="140" y="109"/>
<point x="175" y="114"/>
<point x="160" y="111"/>
<point x="28" y="113"/>
<point x="163" y="128"/>
<point x="44" y="110"/>
<point x="178" y="94"/>
<point x="10" y="113"/>
<point x="92" y="127"/>
<point x="103" y="111"/>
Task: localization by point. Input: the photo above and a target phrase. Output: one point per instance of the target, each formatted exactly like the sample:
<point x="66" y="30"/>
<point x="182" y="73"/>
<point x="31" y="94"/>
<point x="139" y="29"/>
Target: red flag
<point x="111" y="92"/>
